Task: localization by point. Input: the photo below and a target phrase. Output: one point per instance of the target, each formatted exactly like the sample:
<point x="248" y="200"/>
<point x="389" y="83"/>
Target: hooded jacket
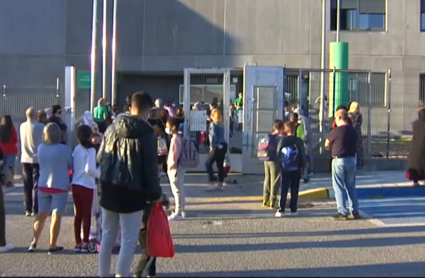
<point x="128" y="165"/>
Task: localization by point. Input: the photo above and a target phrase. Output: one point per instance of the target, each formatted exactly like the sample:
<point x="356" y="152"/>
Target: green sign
<point x="83" y="80"/>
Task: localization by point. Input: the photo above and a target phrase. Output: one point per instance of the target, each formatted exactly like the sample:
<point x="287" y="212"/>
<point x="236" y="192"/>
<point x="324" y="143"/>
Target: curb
<point x="316" y="194"/>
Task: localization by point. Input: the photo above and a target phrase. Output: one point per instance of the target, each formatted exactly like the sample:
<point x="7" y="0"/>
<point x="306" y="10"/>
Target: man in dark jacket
<point x="129" y="178"/>
<point x="57" y="119"/>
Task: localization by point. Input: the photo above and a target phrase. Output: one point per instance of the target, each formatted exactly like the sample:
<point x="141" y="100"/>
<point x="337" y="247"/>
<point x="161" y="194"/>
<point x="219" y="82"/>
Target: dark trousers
<point x="216" y="155"/>
<point x="30" y="175"/>
<point x="2" y="219"/>
<point x="289" y="180"/>
<point x="83" y="201"/>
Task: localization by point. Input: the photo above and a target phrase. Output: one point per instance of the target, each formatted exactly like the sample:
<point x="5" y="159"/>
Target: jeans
<point x="217" y="156"/>
<point x="344" y="185"/>
<point x="30" y="175"/>
<point x="271" y="182"/>
<point x="2" y="219"/>
<point x="130" y="226"/>
<point x="176" y="177"/>
<point x="83" y="201"/>
<point x="289" y="180"/>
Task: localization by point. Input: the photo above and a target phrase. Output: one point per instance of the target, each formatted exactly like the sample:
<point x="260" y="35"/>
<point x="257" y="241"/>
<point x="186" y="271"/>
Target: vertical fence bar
<point x="388" y="100"/>
<point x="93" y="57"/>
<point x="114" y="55"/>
<point x="300" y="85"/>
<point x="369" y="114"/>
<point x="104" y="48"/>
<point x="333" y="92"/>
<point x="4" y="98"/>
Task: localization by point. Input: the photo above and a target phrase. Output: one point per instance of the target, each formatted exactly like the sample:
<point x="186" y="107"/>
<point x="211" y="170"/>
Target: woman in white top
<point x="83" y="185"/>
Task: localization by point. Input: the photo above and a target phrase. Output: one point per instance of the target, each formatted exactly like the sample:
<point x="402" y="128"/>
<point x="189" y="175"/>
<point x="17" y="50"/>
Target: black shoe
<point x="356" y="216"/>
<point x="340" y="217"/>
<point x="55" y="249"/>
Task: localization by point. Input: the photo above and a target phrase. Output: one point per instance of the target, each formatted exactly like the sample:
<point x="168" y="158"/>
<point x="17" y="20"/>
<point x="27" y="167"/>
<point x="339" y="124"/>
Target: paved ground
<point x="223" y="238"/>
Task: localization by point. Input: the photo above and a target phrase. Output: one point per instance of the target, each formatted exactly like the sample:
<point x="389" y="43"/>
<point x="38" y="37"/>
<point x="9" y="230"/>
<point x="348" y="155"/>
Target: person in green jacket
<point x="100" y="114"/>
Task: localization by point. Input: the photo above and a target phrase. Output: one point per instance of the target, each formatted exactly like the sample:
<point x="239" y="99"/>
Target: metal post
<point x="338" y="19"/>
<point x="322" y="76"/>
<point x="300" y="86"/>
<point x="57" y="88"/>
<point x="369" y="114"/>
<point x="333" y="91"/>
<point x="186" y="103"/>
<point x="104" y="48"/>
<point x="114" y="55"/>
<point x="93" y="57"/>
<point x="388" y="111"/>
<point x="4" y="98"/>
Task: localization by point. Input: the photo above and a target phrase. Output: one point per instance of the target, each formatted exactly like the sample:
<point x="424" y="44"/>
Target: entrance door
<point x="196" y="127"/>
<point x="263" y="103"/>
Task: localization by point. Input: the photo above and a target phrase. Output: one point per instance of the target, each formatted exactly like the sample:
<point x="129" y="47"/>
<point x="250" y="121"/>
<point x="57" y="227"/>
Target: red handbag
<point x="159" y="240"/>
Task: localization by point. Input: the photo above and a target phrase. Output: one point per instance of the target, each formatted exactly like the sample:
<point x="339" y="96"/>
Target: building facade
<point x="157" y="39"/>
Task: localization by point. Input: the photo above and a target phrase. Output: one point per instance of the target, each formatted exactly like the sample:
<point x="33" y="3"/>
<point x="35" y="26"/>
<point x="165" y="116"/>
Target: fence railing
<point x="388" y="103"/>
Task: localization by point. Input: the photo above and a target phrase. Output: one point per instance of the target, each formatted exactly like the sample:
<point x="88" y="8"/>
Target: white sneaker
<point x="6" y="248"/>
<point x="175" y="217"/>
<point x="278" y="214"/>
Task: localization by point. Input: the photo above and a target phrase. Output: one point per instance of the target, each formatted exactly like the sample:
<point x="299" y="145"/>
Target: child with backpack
<point x="176" y="170"/>
<point x="291" y="154"/>
<point x="267" y="152"/>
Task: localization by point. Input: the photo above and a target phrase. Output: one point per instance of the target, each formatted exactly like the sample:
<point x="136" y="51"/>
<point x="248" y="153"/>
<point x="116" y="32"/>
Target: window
<point x="422" y="15"/>
<point x="422" y="88"/>
<point x="359" y="15"/>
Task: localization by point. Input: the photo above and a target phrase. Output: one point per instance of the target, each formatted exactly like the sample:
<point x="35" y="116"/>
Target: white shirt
<point x="31" y="134"/>
<point x="85" y="170"/>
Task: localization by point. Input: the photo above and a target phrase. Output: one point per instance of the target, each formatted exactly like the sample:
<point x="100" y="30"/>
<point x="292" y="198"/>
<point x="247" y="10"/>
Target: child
<point x="175" y="171"/>
<point x="272" y="173"/>
<point x="158" y="130"/>
<point x="145" y="260"/>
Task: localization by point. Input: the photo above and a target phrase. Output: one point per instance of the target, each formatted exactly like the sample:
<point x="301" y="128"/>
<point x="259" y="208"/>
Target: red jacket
<point x="11" y="146"/>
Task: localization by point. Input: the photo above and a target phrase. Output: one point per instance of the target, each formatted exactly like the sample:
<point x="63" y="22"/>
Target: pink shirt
<point x="174" y="152"/>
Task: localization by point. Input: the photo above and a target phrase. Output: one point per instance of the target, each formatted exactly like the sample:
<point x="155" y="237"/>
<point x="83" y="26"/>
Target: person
<point x="291" y="154"/>
<point x="159" y="111"/>
<point x="416" y="158"/>
<point x="88" y="121"/>
<point x="304" y="132"/>
<point x="100" y="114"/>
<point x="176" y="171"/>
<point x="357" y="119"/>
<point x="180" y="117"/>
<point x="126" y="108"/>
<point x="218" y="149"/>
<point x="4" y="246"/>
<point x="8" y="143"/>
<point x="170" y="106"/>
<point x="159" y="131"/>
<point x="272" y="172"/>
<point x="57" y="119"/>
<point x="294" y="118"/>
<point x="83" y="186"/>
<point x="239" y="101"/>
<point x="42" y="117"/>
<point x="55" y="162"/>
<point x="124" y="193"/>
<point x="342" y="142"/>
<point x="48" y="112"/>
<point x="115" y="112"/>
<point x="31" y="133"/>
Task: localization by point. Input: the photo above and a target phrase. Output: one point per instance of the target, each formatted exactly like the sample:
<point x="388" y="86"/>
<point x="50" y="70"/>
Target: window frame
<point x="344" y="18"/>
<point x="422" y="15"/>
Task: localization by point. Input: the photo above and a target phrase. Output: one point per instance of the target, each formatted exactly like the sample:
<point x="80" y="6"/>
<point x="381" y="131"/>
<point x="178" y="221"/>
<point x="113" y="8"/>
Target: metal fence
<point x="17" y="98"/>
<point x="388" y="103"/>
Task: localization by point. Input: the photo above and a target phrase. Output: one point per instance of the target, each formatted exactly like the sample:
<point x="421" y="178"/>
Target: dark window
<point x="422" y="15"/>
<point x="422" y="88"/>
<point x="367" y="15"/>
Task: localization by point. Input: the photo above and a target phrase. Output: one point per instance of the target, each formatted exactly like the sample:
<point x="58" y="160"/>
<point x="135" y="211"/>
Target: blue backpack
<point x="288" y="159"/>
<point x="266" y="149"/>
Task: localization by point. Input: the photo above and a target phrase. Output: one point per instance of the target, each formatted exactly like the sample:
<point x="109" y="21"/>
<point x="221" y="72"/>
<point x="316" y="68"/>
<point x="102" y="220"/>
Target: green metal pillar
<point x="338" y="85"/>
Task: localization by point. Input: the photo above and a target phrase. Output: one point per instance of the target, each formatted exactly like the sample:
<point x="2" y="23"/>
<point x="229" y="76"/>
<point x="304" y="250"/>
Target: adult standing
<point x="31" y="134"/>
<point x="42" y="117"/>
<point x="100" y="114"/>
<point x="342" y="141"/>
<point x="416" y="159"/>
<point x="170" y="107"/>
<point x="55" y="161"/>
<point x="218" y="149"/>
<point x="357" y="120"/>
<point x="124" y="193"/>
<point x="8" y="143"/>
<point x="57" y="119"/>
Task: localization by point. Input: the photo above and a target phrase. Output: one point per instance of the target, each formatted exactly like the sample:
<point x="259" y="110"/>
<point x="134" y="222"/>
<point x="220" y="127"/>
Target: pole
<point x="333" y="92"/>
<point x="93" y="57"/>
<point x="114" y="55"/>
<point x="369" y="115"/>
<point x="338" y="19"/>
<point x="104" y="48"/>
<point x="388" y="112"/>
<point x="322" y="76"/>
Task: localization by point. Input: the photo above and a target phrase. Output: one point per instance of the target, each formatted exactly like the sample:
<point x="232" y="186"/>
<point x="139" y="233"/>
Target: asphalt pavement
<point x="227" y="235"/>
